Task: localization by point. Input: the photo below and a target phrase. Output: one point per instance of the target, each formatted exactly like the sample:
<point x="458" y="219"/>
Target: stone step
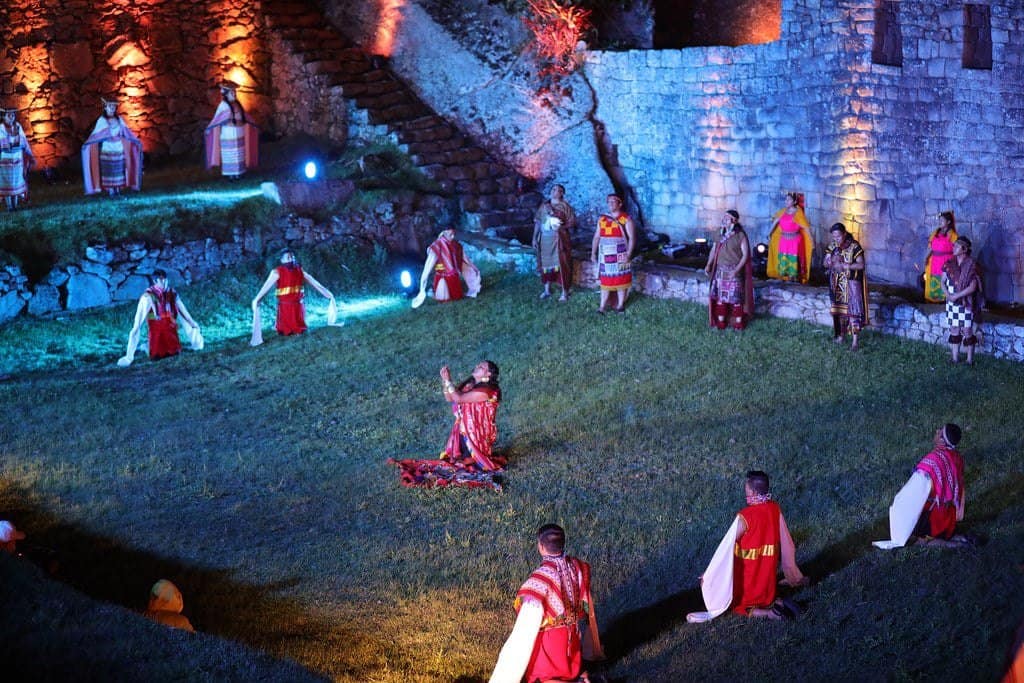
<point x="381" y="107"/>
<point x="384" y="100"/>
<point x="456" y="141"/>
<point x="395" y="113"/>
<point x="431" y="134"/>
<point x="461" y="155"/>
<point x="424" y="122"/>
<point x="373" y="88"/>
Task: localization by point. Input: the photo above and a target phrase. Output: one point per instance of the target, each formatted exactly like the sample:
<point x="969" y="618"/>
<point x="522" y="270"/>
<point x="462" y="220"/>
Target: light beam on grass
<point x="373" y="304"/>
<point x="208" y="196"/>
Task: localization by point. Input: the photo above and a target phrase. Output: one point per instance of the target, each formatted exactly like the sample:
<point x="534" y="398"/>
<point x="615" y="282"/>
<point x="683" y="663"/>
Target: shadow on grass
<point x="216" y="604"/>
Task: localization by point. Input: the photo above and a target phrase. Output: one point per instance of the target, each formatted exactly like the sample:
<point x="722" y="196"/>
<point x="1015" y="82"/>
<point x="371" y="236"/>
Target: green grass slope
<point x="256" y="480"/>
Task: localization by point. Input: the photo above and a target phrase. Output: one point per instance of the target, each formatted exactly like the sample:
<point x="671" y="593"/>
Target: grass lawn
<point x="256" y="480"/>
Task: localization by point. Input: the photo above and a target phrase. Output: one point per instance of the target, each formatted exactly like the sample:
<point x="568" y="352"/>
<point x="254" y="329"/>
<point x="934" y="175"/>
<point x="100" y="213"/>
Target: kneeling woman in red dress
<point x="291" y="310"/>
<point x="475" y="406"/>
<point x="159" y="306"/>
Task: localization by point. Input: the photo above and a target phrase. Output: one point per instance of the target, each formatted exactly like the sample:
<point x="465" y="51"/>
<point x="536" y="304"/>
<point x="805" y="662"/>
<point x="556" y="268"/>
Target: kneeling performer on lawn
<point x="159" y="306"/>
<point x="448" y="263"/>
<point x="744" y="569"/>
<point x="556" y="627"/>
<point x="932" y="501"/>
<point x="291" y="308"/>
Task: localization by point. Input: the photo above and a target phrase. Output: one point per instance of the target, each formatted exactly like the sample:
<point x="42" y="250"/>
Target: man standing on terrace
<point x="556" y="624"/>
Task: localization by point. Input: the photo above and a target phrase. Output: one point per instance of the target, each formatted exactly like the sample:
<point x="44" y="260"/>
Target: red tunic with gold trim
<point x="291" y="311"/>
<point x="477" y="424"/>
<point x="945" y="468"/>
<point x="756" y="565"/>
<point x="561" y="585"/>
<point x="162" y="322"/>
<point x="447" y="268"/>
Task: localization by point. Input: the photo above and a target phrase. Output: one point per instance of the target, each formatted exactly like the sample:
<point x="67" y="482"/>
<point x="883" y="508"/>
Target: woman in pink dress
<point x="940" y="250"/>
<point x="789" y="243"/>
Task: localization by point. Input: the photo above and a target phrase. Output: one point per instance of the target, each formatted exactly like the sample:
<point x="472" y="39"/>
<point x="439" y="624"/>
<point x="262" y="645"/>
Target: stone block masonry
<point x="882" y="149"/>
<point x="700" y="130"/>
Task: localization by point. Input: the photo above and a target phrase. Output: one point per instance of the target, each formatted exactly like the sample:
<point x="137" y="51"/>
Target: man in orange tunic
<point x="291" y="310"/>
<point x="555" y="625"/>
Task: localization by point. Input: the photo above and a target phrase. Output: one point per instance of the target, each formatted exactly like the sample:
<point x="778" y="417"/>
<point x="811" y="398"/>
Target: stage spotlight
<point x="760" y="260"/>
<point x="310" y="170"/>
<point x="406" y="279"/>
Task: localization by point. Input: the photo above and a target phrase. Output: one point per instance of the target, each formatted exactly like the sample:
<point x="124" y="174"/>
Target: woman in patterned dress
<point x="612" y="250"/>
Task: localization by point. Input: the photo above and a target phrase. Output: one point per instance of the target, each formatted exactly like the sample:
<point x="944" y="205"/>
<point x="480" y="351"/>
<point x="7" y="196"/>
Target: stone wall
<point x="695" y="131"/>
<point x="468" y="62"/>
<point x="162" y="59"/>
<point x="116" y="273"/>
<point x="881" y="148"/>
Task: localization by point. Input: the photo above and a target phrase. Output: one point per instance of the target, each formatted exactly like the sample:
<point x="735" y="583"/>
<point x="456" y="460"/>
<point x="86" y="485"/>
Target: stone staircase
<point x="381" y="107"/>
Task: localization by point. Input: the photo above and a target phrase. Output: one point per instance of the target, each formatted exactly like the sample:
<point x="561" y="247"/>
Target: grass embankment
<point x="180" y="201"/>
<point x="256" y="480"/>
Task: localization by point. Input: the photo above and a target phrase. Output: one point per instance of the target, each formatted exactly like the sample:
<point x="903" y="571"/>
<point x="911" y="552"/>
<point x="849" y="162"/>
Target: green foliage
<point x="256" y="480"/>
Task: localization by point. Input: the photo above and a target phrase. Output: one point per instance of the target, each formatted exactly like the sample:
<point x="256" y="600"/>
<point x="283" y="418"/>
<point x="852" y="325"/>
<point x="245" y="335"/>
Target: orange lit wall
<point x="161" y="59"/>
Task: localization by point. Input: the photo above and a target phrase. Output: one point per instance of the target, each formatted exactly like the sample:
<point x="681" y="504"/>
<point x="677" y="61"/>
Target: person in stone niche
<point x="744" y="569"/>
<point x="449" y="264"/>
<point x="932" y="501"/>
<point x="112" y="155"/>
<point x="552" y="241"/>
<point x="166" y="605"/>
<point x="731" y="274"/>
<point x="964" y="299"/>
<point x="474" y="405"/>
<point x="789" y="242"/>
<point x="940" y="250"/>
<point x="556" y="625"/>
<point x="16" y="159"/>
<point x="232" y="139"/>
<point x="160" y="307"/>
<point x="847" y="285"/>
<point x="291" y="309"/>
<point x="612" y="251"/>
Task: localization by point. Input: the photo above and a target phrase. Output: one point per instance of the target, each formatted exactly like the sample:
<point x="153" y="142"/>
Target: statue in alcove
<point x="232" y="138"/>
<point x="16" y="159"/>
<point x="112" y="155"/>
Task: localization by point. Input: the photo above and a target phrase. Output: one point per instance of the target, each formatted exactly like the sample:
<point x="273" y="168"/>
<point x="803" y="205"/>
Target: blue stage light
<point x="406" y="279"/>
<point x="310" y="169"/>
